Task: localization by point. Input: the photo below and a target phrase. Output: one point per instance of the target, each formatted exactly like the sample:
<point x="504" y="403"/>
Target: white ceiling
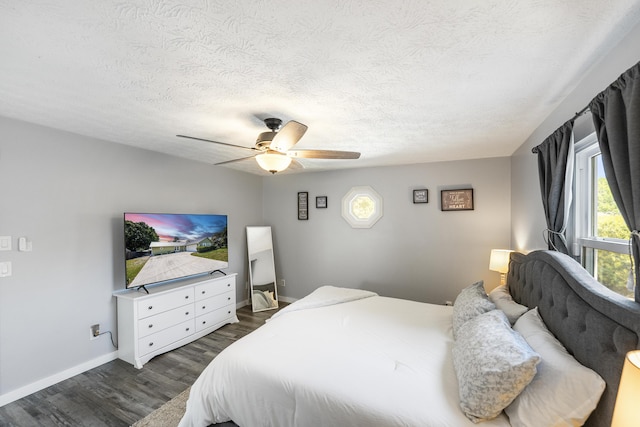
<point x="401" y="81"/>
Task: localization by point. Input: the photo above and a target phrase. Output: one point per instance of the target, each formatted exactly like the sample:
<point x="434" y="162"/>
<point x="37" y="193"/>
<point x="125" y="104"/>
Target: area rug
<point x="168" y="415"/>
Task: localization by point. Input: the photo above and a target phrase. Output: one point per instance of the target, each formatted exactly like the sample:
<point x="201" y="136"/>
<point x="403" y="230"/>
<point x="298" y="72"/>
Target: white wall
<point x="414" y="251"/>
<point x="527" y="214"/>
<point x="67" y="193"/>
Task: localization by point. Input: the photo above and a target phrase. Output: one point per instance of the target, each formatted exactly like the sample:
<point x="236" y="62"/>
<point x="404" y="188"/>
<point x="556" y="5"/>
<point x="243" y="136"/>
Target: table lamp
<point x="626" y="412"/>
<point x="499" y="261"/>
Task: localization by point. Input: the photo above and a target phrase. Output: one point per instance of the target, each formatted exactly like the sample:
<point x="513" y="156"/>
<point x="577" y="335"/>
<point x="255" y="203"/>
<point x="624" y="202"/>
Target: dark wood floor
<point x="116" y="393"/>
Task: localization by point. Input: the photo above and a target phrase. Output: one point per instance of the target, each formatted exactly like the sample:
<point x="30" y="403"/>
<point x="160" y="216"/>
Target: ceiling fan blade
<point x="217" y="142"/>
<point x="234" y="160"/>
<point x="295" y="165"/>
<point x="288" y="136"/>
<point x="323" y="154"/>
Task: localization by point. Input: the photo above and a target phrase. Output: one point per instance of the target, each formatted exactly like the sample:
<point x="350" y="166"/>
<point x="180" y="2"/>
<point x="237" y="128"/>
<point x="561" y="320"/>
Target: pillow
<point x="493" y="364"/>
<point x="503" y="300"/>
<point x="564" y="392"/>
<point x="471" y="301"/>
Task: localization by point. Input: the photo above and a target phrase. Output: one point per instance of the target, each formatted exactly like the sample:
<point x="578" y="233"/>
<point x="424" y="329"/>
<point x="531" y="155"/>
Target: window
<point x="600" y="231"/>
<point x="362" y="207"/>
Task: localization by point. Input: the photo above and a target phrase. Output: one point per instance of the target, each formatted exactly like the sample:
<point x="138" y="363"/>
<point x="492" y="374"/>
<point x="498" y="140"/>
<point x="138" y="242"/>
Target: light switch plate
<point x="5" y="243"/>
<point x="5" y="269"/>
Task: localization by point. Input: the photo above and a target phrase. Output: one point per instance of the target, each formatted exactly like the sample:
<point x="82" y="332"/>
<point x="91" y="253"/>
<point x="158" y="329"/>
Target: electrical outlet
<point x="282" y="282"/>
<point x="94" y="332"/>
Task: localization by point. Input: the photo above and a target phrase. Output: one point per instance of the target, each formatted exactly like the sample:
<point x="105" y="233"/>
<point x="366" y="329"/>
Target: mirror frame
<point x="259" y="244"/>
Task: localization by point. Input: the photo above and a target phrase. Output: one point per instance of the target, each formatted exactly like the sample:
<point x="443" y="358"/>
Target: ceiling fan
<point x="273" y="149"/>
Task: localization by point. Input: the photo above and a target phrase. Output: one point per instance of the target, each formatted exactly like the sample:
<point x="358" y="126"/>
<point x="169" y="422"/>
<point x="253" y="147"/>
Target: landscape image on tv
<point x="161" y="247"/>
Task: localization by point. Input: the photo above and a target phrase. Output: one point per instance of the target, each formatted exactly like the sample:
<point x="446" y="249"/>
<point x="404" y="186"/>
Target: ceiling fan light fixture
<point x="273" y="162"/>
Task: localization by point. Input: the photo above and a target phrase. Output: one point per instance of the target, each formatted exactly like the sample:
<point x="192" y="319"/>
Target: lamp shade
<point x="626" y="412"/>
<point x="499" y="260"/>
<point x="273" y="162"/>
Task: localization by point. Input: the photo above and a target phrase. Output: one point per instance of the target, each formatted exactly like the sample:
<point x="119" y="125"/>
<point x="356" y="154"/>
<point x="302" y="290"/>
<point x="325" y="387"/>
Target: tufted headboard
<point x="597" y="326"/>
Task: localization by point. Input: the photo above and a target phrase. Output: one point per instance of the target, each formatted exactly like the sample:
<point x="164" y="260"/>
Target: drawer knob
<point x="187" y="313"/>
<point x="228" y="298"/>
<point x="203" y="292"/>
<point x="186" y="297"/>
<point x="204" y="322"/>
<point x="150" y="326"/>
<point x="187" y="329"/>
<point x="229" y="312"/>
<point x="228" y="284"/>
<point x="150" y="307"/>
<point x="150" y="344"/>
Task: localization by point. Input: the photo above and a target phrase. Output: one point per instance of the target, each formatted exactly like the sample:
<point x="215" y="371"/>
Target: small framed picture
<point x="456" y="200"/>
<point x="303" y="205"/>
<point x="421" y="196"/>
<point x="321" y="202"/>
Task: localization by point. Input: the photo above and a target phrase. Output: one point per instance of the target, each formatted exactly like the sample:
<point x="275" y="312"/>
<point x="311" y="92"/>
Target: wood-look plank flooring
<point x="117" y="394"/>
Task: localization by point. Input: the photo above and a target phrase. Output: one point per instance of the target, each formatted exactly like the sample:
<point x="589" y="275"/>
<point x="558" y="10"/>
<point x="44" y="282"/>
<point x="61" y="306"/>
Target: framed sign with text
<point x="321" y="202"/>
<point x="421" y="196"/>
<point x="456" y="200"/>
<point x="303" y="205"/>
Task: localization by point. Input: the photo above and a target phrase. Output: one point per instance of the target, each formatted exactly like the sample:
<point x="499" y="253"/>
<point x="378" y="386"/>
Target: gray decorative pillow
<point x="503" y="300"/>
<point x="493" y="364"/>
<point x="471" y="302"/>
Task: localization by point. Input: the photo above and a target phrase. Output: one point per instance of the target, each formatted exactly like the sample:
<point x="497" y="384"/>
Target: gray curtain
<point x="555" y="169"/>
<point x="616" y="116"/>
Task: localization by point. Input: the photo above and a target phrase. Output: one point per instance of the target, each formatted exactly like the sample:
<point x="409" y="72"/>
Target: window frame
<point x="585" y="151"/>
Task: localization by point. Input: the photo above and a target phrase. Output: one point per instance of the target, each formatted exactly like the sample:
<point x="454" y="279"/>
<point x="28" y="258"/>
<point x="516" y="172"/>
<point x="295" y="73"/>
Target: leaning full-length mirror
<point x="262" y="270"/>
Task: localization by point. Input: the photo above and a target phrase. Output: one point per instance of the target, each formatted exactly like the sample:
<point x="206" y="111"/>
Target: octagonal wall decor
<point x="362" y="207"/>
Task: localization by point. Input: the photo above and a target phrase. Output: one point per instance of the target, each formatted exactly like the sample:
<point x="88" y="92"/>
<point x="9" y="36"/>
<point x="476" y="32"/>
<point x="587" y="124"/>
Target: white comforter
<point x="371" y="361"/>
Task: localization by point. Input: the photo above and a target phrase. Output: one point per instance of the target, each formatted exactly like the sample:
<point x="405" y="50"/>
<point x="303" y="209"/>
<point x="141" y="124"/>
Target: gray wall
<point x="526" y="206"/>
<point x="67" y="193"/>
<point x="413" y="251"/>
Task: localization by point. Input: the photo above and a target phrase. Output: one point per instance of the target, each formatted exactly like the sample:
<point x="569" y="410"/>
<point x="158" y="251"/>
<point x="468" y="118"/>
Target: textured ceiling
<point x="400" y="81"/>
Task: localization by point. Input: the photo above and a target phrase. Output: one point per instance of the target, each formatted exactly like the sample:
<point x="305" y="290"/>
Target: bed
<point x="350" y="357"/>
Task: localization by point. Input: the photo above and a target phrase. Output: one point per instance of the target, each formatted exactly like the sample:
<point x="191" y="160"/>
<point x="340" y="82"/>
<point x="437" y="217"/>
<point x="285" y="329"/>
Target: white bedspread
<point x="372" y="361"/>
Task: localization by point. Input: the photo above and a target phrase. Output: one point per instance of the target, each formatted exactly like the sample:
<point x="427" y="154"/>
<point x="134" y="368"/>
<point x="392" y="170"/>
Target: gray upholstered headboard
<point x="597" y="326"/>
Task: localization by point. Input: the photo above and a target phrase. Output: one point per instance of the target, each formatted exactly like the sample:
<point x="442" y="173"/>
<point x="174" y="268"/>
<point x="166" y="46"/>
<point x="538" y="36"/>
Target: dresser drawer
<point x="217" y="287"/>
<point x="210" y="319"/>
<point x="214" y="303"/>
<point x="152" y="324"/>
<point x="163" y="338"/>
<point x="164" y="302"/>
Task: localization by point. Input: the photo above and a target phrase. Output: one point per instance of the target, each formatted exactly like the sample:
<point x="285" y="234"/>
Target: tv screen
<point x="162" y="247"/>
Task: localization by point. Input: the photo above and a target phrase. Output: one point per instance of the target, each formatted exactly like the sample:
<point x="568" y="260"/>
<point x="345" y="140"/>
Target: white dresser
<point x="171" y="316"/>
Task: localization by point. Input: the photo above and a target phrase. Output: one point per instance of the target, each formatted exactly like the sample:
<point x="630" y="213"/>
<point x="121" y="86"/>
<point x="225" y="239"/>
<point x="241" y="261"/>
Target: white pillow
<point x="503" y="300"/>
<point x="493" y="364"/>
<point x="469" y="303"/>
<point x="563" y="392"/>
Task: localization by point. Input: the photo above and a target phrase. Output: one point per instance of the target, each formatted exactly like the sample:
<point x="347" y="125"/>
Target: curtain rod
<point x="578" y="114"/>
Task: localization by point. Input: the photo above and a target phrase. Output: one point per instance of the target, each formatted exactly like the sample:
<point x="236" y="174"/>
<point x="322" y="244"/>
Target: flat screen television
<point x="163" y="247"/>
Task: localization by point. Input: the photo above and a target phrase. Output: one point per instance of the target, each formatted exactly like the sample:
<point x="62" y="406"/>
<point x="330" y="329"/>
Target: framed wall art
<point x="456" y="200"/>
<point x="421" y="196"/>
<point x="321" y="202"/>
<point x="303" y="205"/>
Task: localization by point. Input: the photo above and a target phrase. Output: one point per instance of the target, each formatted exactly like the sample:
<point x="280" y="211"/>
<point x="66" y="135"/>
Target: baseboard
<point x="56" y="378"/>
<point x="287" y="299"/>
